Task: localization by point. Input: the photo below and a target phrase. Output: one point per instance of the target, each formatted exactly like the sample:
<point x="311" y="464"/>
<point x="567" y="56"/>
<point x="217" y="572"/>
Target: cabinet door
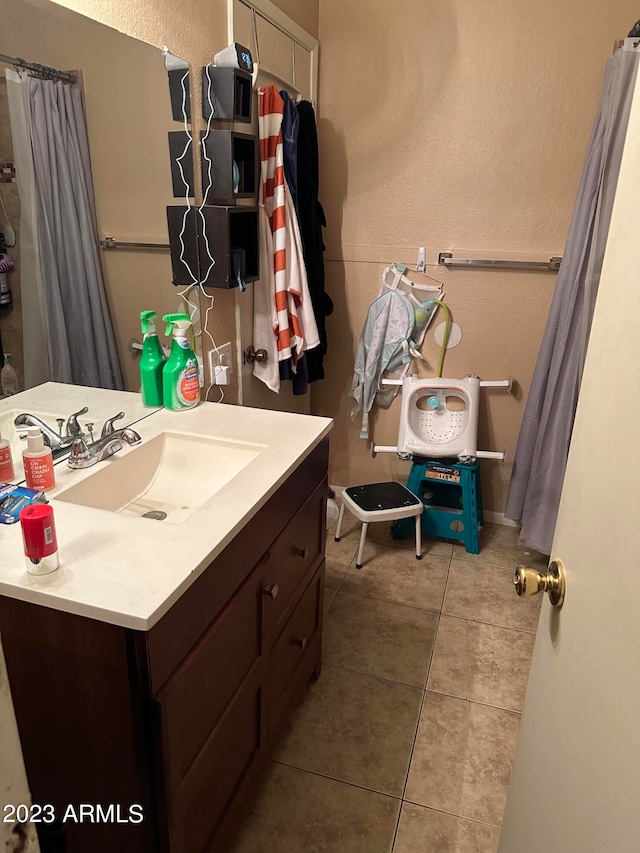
<point x="294" y="556"/>
<point x="210" y="717"/>
<point x="297" y="642"/>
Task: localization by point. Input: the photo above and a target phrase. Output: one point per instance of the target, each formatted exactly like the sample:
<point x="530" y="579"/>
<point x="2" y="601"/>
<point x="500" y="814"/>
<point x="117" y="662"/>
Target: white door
<point x="291" y="65"/>
<point x="576" y="779"/>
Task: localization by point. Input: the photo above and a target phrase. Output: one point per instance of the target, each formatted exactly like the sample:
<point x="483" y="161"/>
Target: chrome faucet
<point x="57" y="441"/>
<point x="85" y="455"/>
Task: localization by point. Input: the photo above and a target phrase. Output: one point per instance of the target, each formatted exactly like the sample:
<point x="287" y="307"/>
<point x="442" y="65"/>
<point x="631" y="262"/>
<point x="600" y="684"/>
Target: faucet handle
<point x="109" y="427"/>
<point x="79" y="450"/>
<point x="73" y="427"/>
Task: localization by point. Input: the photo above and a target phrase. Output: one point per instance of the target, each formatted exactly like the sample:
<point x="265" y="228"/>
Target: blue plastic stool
<point x="452" y="496"/>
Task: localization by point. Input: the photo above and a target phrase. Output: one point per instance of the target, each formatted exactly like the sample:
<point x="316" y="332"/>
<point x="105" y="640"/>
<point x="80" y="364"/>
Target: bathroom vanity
<point x="157" y="668"/>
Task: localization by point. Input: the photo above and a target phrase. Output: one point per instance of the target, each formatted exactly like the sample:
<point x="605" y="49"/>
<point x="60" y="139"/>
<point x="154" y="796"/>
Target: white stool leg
<point x="363" y="537"/>
<point x="419" y="537"/>
<point x="339" y="526"/>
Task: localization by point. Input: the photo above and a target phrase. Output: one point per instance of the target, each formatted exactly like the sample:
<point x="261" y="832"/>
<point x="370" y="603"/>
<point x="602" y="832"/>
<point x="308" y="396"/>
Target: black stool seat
<point x="373" y="497"/>
<point x="380" y="502"/>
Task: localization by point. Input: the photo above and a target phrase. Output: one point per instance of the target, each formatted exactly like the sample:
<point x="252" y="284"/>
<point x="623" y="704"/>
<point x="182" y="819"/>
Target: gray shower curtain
<point x="543" y="444"/>
<point x="81" y="343"/>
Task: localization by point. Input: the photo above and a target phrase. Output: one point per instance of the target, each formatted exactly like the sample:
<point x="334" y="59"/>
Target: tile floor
<point x="405" y="742"/>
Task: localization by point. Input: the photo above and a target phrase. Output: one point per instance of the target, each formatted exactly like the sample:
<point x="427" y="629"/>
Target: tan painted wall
<point x="303" y="12"/>
<point x="453" y="125"/>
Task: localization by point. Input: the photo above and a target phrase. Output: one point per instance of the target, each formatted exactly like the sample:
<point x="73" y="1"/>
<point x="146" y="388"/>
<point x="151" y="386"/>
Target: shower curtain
<point x="73" y="311"/>
<point x="543" y="444"/>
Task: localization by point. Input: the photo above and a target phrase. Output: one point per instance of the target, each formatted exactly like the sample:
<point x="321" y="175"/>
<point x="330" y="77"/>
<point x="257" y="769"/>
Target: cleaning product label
<point x="188" y="386"/>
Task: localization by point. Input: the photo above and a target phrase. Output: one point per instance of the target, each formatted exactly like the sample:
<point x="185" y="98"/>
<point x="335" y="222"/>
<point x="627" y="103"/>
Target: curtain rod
<point x="43" y="71"/>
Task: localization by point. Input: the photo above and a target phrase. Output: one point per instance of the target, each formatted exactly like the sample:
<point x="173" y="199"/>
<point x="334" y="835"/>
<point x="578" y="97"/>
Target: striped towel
<point x="287" y="324"/>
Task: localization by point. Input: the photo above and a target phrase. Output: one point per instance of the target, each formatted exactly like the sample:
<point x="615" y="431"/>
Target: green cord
<point x="447" y="332"/>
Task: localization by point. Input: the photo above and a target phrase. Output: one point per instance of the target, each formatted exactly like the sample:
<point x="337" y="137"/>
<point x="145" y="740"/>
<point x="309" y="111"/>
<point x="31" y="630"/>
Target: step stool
<point x="452" y="498"/>
<point x="380" y="502"/>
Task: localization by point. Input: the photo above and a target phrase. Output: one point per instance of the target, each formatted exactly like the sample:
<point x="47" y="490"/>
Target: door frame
<point x="275" y="16"/>
<point x="286" y="25"/>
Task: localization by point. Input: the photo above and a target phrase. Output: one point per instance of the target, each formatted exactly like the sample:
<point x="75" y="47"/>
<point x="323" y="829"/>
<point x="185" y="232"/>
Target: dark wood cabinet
<point x="180" y="719"/>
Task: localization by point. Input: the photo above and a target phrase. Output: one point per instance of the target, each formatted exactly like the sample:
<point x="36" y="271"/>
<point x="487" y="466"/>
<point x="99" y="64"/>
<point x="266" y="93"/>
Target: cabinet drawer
<point x="297" y="637"/>
<point x="194" y="699"/>
<point x="293" y="554"/>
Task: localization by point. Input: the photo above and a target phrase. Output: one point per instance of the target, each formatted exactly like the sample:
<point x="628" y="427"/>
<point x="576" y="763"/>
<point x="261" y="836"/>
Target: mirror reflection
<point x="84" y="156"/>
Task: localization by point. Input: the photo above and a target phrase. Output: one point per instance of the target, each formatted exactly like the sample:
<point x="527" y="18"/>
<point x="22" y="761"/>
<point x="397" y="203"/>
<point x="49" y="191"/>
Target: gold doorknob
<point x="530" y="582"/>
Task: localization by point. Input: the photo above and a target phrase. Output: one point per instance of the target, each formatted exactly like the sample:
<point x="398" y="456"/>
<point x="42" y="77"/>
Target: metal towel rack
<point x="113" y="243"/>
<point x="552" y="265"/>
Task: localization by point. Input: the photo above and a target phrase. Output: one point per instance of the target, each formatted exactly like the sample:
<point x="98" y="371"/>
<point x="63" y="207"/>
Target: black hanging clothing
<point x="311" y="219"/>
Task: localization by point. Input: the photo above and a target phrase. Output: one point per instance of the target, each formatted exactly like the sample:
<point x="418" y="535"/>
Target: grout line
<point x="334" y="779"/>
<point x="492" y="624"/>
<point x="480" y="562"/>
<point x="369" y="675"/>
<point x="473" y="702"/>
<point x="372" y="675"/>
<point x="413" y="746"/>
<point x="483" y="622"/>
<point x="424" y="694"/>
<point x="394" y="601"/>
<point x="454" y="814"/>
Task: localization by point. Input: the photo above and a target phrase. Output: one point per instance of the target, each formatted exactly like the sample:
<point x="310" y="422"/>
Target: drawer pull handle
<point x="300" y="552"/>
<point x="271" y="591"/>
<point x="302" y="642"/>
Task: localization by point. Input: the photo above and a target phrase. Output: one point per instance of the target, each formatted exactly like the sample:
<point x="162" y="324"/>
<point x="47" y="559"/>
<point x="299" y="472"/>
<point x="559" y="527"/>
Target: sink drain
<point x="156" y="514"/>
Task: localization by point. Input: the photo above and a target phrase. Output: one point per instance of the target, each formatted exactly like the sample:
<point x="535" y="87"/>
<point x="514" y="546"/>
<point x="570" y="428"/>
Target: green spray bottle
<point x="180" y="375"/>
<point x="151" y="362"/>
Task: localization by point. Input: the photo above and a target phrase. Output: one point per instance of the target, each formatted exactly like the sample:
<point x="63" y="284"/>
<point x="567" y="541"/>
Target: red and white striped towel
<point x="292" y="316"/>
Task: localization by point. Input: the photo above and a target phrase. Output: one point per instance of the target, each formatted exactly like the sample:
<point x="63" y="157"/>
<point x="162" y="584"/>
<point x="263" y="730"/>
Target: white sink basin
<point x="172" y="475"/>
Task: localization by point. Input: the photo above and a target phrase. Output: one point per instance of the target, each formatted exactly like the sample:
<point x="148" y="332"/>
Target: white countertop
<point x="129" y="571"/>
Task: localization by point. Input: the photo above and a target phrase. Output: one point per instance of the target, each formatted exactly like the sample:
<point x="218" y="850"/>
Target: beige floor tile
<point x="482" y="663"/>
<point x="338" y="556"/>
<point x="425" y="831"/>
<point x="298" y="812"/>
<point x="486" y="594"/>
<point x="462" y="758"/>
<point x="380" y="534"/>
<point x="329" y="596"/>
<point x="354" y="728"/>
<point x="395" y="575"/>
<point x="499" y="547"/>
<point x="379" y="638"/>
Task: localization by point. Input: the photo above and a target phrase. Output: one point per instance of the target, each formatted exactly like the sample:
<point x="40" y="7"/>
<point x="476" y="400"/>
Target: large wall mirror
<point x="60" y="325"/>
